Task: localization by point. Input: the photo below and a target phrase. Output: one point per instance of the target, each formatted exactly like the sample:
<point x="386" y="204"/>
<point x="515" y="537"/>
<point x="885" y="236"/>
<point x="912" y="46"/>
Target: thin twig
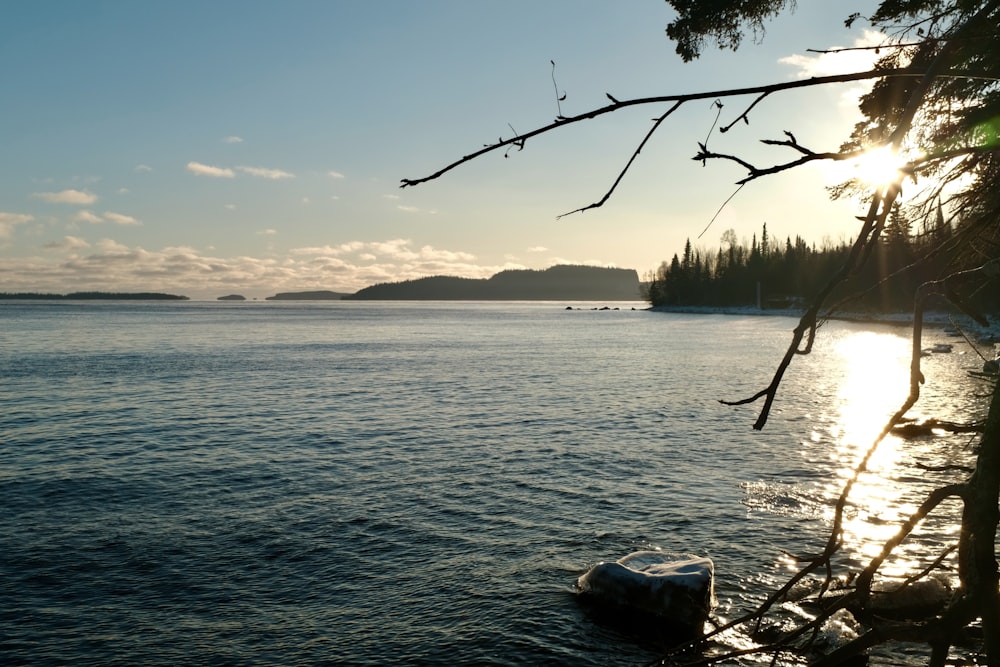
<point x="724" y="204"/>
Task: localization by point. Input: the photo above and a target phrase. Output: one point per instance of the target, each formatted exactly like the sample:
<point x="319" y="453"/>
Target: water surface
<point x="364" y="483"/>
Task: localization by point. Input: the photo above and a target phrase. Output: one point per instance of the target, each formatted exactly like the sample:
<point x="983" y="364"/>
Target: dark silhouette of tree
<point x="788" y="273"/>
<point x="935" y="101"/>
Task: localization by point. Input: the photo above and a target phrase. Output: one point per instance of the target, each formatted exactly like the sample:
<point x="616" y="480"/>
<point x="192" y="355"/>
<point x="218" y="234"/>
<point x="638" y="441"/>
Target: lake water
<point x="368" y="483"/>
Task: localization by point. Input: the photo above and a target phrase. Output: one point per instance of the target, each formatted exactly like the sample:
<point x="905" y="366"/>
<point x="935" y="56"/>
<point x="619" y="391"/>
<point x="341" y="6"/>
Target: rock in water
<point x="675" y="589"/>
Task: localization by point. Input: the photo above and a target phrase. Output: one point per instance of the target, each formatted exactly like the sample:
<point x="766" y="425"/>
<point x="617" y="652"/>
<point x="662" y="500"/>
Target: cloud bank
<point x="73" y="264"/>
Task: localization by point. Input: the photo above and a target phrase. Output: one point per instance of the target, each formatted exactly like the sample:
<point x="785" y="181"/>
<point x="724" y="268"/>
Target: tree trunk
<point x="977" y="557"/>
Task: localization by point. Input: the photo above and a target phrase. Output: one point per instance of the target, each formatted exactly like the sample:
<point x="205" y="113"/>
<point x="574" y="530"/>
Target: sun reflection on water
<point x="875" y="370"/>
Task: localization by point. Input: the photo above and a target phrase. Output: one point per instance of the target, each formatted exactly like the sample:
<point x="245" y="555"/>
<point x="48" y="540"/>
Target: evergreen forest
<point x="786" y="273"/>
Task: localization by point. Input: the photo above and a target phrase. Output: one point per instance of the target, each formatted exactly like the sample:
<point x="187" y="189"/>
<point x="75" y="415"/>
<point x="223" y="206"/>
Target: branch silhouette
<point x="618" y="105"/>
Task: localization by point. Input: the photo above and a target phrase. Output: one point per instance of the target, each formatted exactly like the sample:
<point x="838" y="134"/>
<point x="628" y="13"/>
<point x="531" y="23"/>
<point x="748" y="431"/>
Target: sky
<point x="256" y="147"/>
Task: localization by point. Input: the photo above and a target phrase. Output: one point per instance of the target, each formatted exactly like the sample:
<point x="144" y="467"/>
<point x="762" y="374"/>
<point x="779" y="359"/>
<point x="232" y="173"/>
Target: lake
<point x="363" y="483"/>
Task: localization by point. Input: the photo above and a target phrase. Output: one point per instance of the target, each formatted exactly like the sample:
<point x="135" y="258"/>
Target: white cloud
<point x="112" y="246"/>
<point x="230" y="207"/>
<point x="393" y="249"/>
<point x="334" y="174"/>
<point x="120" y="218"/>
<point x="581" y="262"/>
<point x="335" y="198"/>
<point x="857" y="58"/>
<point x="141" y="168"/>
<point x="123" y="191"/>
<point x="350" y="246"/>
<point x="838" y="60"/>
<point x="392" y="197"/>
<point x="271" y="174"/>
<point x="233" y="140"/>
<point x="405" y="208"/>
<point x="112" y="266"/>
<point x="267" y="232"/>
<point x="431" y="253"/>
<point x="396" y="248"/>
<point x="67" y="197"/>
<point x="538" y="248"/>
<point x="207" y="170"/>
<point x="68" y="243"/>
<point x="87" y="216"/>
<point x="9" y="220"/>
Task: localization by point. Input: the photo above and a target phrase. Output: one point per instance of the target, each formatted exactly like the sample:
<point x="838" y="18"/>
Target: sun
<point x="877" y="167"/>
<point x="874" y="168"/>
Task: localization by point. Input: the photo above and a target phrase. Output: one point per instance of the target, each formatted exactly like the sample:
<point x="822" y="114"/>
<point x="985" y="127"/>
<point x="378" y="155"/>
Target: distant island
<point x="558" y="283"/>
<point x="563" y="282"/>
<point x="92" y="296"/>
<point x="317" y="295"/>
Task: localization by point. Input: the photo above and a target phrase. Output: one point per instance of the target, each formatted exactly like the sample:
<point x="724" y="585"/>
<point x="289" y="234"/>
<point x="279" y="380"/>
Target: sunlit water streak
<point x="353" y="483"/>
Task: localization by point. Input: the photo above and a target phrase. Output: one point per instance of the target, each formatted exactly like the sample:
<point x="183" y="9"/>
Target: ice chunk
<point x="678" y="589"/>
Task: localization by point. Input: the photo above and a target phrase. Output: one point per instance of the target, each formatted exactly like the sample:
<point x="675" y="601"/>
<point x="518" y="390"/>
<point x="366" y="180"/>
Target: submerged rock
<point x="676" y="590"/>
<point x="915" y="601"/>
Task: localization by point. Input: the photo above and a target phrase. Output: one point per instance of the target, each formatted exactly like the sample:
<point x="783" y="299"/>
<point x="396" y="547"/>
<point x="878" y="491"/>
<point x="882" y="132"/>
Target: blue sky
<point x="206" y="148"/>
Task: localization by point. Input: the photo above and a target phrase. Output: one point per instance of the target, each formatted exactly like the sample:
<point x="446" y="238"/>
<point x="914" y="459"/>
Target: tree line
<point x="784" y="273"/>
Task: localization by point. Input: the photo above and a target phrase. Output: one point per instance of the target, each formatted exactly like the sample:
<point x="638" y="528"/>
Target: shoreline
<point x="937" y="319"/>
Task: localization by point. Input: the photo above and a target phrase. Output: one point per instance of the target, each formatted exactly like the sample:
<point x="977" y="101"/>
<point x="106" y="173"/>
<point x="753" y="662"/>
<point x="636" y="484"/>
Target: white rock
<point x="676" y="588"/>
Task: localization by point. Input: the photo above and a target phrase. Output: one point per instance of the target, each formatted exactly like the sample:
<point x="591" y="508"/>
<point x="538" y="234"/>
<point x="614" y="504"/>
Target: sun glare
<point x="874" y="168"/>
<point x="874" y="384"/>
<point x="878" y="167"/>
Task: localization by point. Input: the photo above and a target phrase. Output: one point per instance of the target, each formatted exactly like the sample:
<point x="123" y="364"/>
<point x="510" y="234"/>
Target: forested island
<point x="92" y="296"/>
<point x="315" y="295"/>
<point x="561" y="282"/>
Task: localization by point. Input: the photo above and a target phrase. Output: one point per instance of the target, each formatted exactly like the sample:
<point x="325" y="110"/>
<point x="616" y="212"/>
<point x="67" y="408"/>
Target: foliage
<point x="720" y="19"/>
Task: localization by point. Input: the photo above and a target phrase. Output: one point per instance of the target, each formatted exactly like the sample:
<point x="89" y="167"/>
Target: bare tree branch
<point x="662" y="99"/>
<point x="628" y="165"/>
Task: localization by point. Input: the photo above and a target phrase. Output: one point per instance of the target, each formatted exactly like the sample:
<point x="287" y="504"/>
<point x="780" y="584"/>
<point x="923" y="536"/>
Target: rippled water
<point x="363" y="483"/>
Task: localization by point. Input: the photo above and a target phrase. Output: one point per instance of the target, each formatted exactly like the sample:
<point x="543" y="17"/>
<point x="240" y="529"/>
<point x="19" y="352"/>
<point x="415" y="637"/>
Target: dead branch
<point x="930" y="568"/>
<point x="745" y="116"/>
<point x="935" y="498"/>
<point x="755" y="172"/>
<point x="628" y="165"/>
<point x="617" y="105"/>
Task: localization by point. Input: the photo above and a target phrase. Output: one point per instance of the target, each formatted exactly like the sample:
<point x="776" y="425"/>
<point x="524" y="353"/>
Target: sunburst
<point x="878" y="167"/>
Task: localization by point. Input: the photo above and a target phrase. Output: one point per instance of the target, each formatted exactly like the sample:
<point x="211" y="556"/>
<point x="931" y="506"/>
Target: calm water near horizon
<point x="363" y="483"/>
